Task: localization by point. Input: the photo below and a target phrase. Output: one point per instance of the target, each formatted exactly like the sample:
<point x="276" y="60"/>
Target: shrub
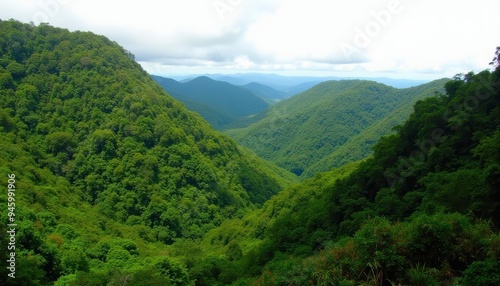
<point x="482" y="273"/>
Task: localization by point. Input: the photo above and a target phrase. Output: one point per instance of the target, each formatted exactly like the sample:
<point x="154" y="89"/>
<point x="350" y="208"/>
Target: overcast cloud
<point x="395" y="38"/>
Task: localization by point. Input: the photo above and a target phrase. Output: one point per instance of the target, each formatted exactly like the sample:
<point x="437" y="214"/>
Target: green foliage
<point x="294" y="222"/>
<point x="60" y="142"/>
<point x="172" y="271"/>
<point x="482" y="273"/>
<point x="383" y="253"/>
<point x="73" y="260"/>
<point x="422" y="276"/>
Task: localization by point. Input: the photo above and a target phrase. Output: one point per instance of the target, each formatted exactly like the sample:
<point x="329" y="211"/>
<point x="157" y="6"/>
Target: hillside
<point x="108" y="168"/>
<point x="360" y="146"/>
<point x="220" y="103"/>
<point x="423" y="210"/>
<point x="303" y="133"/>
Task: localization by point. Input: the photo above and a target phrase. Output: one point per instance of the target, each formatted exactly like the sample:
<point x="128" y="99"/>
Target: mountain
<point x="278" y="82"/>
<point x="424" y="209"/>
<point x="268" y="93"/>
<point x="220" y="103"/>
<point x="105" y="168"/>
<point x="360" y="145"/>
<point x="302" y="133"/>
<point x="289" y="85"/>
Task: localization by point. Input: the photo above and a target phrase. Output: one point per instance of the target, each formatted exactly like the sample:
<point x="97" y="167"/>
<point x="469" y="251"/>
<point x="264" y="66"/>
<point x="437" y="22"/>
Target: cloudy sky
<point x="394" y="38"/>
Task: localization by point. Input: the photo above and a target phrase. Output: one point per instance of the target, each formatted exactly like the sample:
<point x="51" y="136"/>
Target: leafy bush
<point x="482" y="273"/>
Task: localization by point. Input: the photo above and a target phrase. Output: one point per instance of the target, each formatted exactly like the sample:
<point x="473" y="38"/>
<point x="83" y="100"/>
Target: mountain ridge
<point x="283" y="82"/>
<point x="213" y="98"/>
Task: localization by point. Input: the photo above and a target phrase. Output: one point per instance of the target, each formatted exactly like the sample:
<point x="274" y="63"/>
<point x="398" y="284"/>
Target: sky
<point x="408" y="39"/>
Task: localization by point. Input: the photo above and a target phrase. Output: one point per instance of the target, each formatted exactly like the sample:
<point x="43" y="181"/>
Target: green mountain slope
<point x="423" y="210"/>
<point x="220" y="103"/>
<point x="108" y="167"/>
<point x="299" y="133"/>
<point x="359" y="146"/>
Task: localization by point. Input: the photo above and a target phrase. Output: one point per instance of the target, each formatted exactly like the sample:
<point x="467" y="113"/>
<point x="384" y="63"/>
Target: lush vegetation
<point x="423" y="210"/>
<point x="109" y="168"/>
<point x="331" y="124"/>
<point x="220" y="103"/>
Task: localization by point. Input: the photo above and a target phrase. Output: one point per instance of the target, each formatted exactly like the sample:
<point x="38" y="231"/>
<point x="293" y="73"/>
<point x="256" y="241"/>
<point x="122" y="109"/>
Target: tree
<point x="104" y="142"/>
<point x="496" y="60"/>
<point x="60" y="141"/>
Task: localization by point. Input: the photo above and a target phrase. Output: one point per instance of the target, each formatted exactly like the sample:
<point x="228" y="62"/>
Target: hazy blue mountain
<point x="278" y="82"/>
<point x="220" y="103"/>
<point x="284" y="83"/>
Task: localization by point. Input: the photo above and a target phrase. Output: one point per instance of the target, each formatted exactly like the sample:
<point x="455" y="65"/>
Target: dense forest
<point x="331" y="124"/>
<point x="109" y="167"/>
<point x="116" y="183"/>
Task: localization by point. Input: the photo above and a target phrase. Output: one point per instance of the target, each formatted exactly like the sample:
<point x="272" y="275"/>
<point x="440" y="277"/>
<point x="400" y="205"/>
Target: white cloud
<point x="418" y="38"/>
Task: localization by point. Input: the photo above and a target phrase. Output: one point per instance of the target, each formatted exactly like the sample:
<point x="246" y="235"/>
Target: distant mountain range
<point x="292" y="85"/>
<point x="235" y="101"/>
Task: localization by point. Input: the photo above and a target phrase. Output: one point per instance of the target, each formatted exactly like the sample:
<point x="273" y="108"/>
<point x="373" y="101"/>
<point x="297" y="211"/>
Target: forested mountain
<point x="423" y="210"/>
<point x="108" y="167"/>
<point x="331" y="124"/>
<point x="220" y="103"/>
<point x="360" y="146"/>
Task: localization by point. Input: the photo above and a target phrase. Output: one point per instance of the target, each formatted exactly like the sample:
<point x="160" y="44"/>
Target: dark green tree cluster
<point x="439" y="249"/>
<point x="102" y="152"/>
